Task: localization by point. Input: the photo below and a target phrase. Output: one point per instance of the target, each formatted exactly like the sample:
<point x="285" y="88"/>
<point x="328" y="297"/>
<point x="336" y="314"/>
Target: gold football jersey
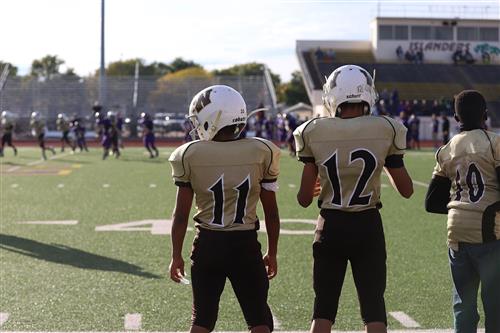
<point x="469" y="160"/>
<point x="226" y="178"/>
<point x="350" y="155"/>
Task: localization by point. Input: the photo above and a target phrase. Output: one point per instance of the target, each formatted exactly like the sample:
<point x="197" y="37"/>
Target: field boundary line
<point x="133" y="321"/>
<point x="55" y="157"/>
<point x="404" y="319"/>
<point x="389" y="331"/>
<point x="3" y="318"/>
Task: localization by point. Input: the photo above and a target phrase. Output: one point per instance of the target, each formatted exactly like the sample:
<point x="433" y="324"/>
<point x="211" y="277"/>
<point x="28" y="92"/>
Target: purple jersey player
<point x="148" y="135"/>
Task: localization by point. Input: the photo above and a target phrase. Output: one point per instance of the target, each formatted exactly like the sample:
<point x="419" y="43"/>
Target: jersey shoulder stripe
<point x="269" y="145"/>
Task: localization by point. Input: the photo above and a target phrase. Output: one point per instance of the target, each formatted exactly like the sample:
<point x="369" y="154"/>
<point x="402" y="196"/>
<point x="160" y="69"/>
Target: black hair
<point x="470" y="107"/>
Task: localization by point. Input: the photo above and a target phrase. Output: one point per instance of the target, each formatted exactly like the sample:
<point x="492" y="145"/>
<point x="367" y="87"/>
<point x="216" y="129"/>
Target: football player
<point x="469" y="166"/>
<point x="63" y="125"/>
<point x="110" y="136"/>
<point x="79" y="130"/>
<point x="148" y="135"/>
<point x="37" y="125"/>
<point x="7" y="126"/>
<point x="348" y="151"/>
<point x="226" y="175"/>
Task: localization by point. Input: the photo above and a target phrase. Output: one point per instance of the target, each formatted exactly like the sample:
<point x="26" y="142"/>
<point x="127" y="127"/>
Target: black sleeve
<point x="305" y="159"/>
<point x="394" y="161"/>
<point x="498" y="175"/>
<point x="438" y="195"/>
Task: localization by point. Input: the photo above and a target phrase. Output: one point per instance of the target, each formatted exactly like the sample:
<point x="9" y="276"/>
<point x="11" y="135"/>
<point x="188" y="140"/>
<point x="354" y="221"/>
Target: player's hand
<point x="317" y="188"/>
<point x="271" y="266"/>
<point x="176" y="268"/>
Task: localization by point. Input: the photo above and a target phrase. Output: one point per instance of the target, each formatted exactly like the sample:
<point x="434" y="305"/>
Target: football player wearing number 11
<point x="349" y="150"/>
<point x="227" y="176"/>
<point x="469" y="166"/>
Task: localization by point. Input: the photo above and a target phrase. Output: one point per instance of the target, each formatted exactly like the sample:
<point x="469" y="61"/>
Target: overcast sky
<point x="216" y="33"/>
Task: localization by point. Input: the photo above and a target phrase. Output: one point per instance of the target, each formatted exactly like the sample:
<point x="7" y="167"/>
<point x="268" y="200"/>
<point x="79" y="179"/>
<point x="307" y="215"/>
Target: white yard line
<point x="390" y="331"/>
<point x="292" y="185"/>
<point x="152" y="185"/>
<point x="133" y="321"/>
<point x="50" y="158"/>
<point x="3" y="318"/>
<point x="277" y="323"/>
<point x="14" y="185"/>
<point x="60" y="185"/>
<point x="14" y="168"/>
<point x="106" y="185"/>
<point x="404" y="319"/>
<point x="62" y="222"/>
<point x="416" y="182"/>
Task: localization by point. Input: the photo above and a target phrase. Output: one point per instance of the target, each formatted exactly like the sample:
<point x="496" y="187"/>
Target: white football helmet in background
<point x="63" y="116"/>
<point x="349" y="84"/>
<point x="35" y="115"/>
<point x="214" y="108"/>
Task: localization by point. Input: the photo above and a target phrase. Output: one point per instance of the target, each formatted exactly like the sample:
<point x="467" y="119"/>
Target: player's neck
<point x="350" y="114"/>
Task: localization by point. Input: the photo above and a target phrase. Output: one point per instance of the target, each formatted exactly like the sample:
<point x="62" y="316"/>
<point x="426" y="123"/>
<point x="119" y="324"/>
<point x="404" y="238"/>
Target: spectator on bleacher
<point x="385" y="96"/>
<point x="403" y="116"/>
<point x="469" y="59"/>
<point x="408" y="108"/>
<point x="291" y="125"/>
<point x="394" y="101"/>
<point x="416" y="108"/>
<point x="445" y="128"/>
<point x="485" y="57"/>
<point x="270" y="128"/>
<point x="457" y="56"/>
<point x="400" y="53"/>
<point x="414" y="124"/>
<point x="319" y="54"/>
<point x="281" y="129"/>
<point x="410" y="55"/>
<point x="435" y="130"/>
<point x="419" y="56"/>
<point x="259" y="124"/>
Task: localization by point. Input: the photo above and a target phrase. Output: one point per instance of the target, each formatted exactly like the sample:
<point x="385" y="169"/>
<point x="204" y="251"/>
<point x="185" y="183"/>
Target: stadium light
<point x="102" y="70"/>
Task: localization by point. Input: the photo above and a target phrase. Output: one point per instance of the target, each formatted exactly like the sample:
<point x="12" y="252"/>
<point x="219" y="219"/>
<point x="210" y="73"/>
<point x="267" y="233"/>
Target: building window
<point x="443" y="33"/>
<point x="420" y="32"/>
<point x="401" y="32"/>
<point x="467" y="33"/>
<point x="385" y="32"/>
<point x="488" y="34"/>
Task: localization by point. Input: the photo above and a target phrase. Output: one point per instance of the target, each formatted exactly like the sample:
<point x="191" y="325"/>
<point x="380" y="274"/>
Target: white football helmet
<point x="348" y="84"/>
<point x="63" y="116"/>
<point x="214" y="108"/>
<point x="35" y="115"/>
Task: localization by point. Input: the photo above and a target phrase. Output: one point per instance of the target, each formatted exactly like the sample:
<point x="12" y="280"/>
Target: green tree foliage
<point x="12" y="68"/>
<point x="294" y="91"/>
<point x="46" y="67"/>
<point x="251" y="68"/>
<point x="179" y="64"/>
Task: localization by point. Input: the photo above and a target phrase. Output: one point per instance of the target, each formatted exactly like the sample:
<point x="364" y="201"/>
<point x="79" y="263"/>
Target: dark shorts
<point x="7" y="139"/>
<point x="358" y="238"/>
<point x="235" y="255"/>
<point x="106" y="141"/>
<point x="41" y="140"/>
<point x="149" y="139"/>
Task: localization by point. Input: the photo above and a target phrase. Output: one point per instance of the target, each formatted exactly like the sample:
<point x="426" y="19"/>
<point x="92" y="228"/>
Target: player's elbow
<point x="304" y="200"/>
<point x="406" y="191"/>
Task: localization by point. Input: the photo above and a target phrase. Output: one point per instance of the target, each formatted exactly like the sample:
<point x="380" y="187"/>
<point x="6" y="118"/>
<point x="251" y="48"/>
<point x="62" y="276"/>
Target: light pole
<point x="102" y="69"/>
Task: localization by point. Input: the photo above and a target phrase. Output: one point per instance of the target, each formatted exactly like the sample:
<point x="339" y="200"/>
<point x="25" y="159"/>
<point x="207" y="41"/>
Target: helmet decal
<point x="203" y="100"/>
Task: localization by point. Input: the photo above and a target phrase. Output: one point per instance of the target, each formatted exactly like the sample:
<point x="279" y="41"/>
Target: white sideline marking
<point x="416" y="182"/>
<point x="291" y="232"/>
<point x="384" y="185"/>
<point x="152" y="185"/>
<point x="60" y="185"/>
<point x="133" y="321"/>
<point x="50" y="158"/>
<point x="3" y="318"/>
<point x="390" y="331"/>
<point x="105" y="185"/>
<point x="156" y="227"/>
<point x="62" y="222"/>
<point x="404" y="319"/>
<point x="14" y="168"/>
<point x="292" y="185"/>
<point x="14" y="185"/>
<point x="277" y="323"/>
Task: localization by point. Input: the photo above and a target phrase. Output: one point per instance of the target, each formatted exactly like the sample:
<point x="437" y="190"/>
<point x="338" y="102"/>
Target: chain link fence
<point x="75" y="96"/>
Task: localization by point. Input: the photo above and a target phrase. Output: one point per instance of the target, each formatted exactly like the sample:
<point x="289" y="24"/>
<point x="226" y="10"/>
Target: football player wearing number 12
<point x="227" y="176"/>
<point x="349" y="150"/>
<point x="469" y="166"/>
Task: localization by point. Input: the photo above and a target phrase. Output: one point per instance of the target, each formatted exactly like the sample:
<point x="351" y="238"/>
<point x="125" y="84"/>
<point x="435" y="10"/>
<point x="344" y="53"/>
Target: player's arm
<point x="438" y="195"/>
<point x="271" y="215"/>
<point x="180" y="218"/>
<point x="308" y="184"/>
<point x="400" y="180"/>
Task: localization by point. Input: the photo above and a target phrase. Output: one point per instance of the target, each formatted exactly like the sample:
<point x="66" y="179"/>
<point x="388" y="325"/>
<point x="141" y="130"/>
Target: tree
<point x="179" y="64"/>
<point x="251" y="68"/>
<point x="293" y="92"/>
<point x="127" y="68"/>
<point x="46" y="67"/>
<point x="12" y="68"/>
